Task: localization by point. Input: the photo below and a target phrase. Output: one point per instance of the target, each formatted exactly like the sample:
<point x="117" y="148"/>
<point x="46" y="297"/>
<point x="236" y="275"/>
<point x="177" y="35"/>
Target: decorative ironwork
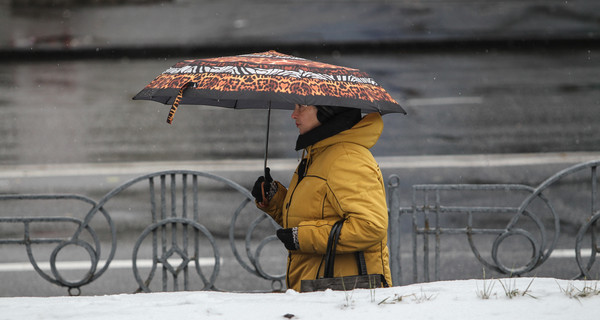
<point x="588" y="228"/>
<point x="525" y="221"/>
<point x="92" y="249"/>
<point x="177" y="233"/>
<point x="174" y="230"/>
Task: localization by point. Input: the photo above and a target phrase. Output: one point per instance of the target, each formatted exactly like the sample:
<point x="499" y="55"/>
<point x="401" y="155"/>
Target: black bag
<point x="361" y="281"/>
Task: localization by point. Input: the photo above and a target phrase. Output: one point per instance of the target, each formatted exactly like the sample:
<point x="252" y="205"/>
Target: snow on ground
<point x="537" y="298"/>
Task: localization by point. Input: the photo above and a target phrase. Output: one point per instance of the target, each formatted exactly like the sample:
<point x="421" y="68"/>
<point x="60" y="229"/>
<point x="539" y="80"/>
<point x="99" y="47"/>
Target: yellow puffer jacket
<point x="342" y="181"/>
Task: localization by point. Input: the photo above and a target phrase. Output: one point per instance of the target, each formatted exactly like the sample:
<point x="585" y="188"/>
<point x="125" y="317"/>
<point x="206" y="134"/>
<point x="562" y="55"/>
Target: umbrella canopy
<point x="266" y="80"/>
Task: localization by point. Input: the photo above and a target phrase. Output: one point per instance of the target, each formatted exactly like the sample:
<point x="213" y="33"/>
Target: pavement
<point x="97" y="179"/>
<point x="181" y="27"/>
<point x="286" y="165"/>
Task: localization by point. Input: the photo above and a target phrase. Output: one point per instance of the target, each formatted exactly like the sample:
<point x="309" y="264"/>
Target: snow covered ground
<point x="534" y="298"/>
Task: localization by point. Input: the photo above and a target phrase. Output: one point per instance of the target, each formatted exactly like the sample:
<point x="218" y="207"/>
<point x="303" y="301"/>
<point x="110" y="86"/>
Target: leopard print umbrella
<point x="266" y="80"/>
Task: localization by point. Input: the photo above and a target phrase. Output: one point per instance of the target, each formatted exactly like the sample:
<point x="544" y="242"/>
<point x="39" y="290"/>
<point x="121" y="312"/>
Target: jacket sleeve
<point x="357" y="194"/>
<point x="274" y="209"/>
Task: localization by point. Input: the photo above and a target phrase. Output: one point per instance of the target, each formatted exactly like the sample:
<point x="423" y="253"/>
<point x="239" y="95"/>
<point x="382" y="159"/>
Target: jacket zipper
<point x="287" y="207"/>
<point x="298" y="180"/>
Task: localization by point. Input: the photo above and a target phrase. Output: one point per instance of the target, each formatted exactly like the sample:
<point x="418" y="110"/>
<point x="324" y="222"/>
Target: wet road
<point x="77" y="114"/>
<point x="71" y="126"/>
<point x="458" y="102"/>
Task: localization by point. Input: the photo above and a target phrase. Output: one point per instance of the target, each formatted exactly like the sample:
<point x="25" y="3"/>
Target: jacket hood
<point x="365" y="133"/>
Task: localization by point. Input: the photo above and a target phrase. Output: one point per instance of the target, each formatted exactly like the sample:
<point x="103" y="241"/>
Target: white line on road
<point x="486" y="160"/>
<point x="85" y="265"/>
<point x="256" y="165"/>
<point x="147" y="263"/>
<point x="570" y="253"/>
<point x="423" y="102"/>
<point x="556" y="254"/>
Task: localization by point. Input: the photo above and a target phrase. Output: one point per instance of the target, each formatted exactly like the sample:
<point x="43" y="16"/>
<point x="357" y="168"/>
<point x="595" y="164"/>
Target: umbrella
<point x="266" y="80"/>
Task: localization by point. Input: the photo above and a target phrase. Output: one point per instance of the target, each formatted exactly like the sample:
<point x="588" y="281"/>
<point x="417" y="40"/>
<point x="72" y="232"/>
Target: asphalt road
<point x="69" y="127"/>
<point x="458" y="102"/>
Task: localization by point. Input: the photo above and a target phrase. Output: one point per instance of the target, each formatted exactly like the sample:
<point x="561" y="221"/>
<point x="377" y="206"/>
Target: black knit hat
<point x="325" y="113"/>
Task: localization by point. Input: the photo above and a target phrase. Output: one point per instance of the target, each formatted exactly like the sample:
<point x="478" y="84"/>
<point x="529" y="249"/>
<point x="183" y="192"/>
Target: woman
<point x="337" y="178"/>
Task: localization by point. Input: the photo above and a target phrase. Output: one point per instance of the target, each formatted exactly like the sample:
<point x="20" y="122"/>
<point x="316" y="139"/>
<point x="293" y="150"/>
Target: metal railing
<point x="175" y="234"/>
<point x="532" y="217"/>
<point x="29" y="241"/>
<point x="175" y="231"/>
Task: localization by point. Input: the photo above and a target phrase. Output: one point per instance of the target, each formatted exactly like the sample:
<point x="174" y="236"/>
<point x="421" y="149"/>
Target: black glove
<point x="289" y="237"/>
<point x="263" y="182"/>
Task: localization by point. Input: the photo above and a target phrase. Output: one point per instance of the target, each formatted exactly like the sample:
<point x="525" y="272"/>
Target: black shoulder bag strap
<point x="361" y="263"/>
<point x="334" y="235"/>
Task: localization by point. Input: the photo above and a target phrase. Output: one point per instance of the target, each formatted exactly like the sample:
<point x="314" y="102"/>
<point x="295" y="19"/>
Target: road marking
<point x="85" y="265"/>
<point x="424" y="102"/>
<point x="256" y="165"/>
<point x="486" y="160"/>
<point x="204" y="262"/>
<point x="570" y="253"/>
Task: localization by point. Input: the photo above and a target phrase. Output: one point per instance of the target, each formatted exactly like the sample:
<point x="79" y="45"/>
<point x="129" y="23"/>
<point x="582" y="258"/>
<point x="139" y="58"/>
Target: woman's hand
<point x="262" y="191"/>
<point x="289" y="237"/>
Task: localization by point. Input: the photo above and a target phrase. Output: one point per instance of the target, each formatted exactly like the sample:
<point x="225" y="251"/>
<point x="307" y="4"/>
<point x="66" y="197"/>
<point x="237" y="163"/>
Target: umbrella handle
<point x="265" y="200"/>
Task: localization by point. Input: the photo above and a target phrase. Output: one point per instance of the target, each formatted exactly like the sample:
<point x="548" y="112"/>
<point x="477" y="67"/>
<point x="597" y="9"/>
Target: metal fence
<point x="485" y="217"/>
<point x="174" y="231"/>
<point x="439" y="211"/>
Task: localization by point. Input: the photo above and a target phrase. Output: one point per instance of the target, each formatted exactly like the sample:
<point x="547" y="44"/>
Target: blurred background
<point x="476" y="77"/>
<point x="484" y="82"/>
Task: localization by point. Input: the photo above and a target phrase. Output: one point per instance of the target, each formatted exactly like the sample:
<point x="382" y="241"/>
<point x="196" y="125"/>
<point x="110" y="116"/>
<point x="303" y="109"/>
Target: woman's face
<point x="306" y="118"/>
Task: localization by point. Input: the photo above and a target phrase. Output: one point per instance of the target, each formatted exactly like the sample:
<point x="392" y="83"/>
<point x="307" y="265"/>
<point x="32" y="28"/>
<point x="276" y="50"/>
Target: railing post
<point x="394" y="241"/>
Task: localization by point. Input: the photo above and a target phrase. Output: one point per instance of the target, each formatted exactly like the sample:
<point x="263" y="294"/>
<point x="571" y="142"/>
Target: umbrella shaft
<point x="267" y="139"/>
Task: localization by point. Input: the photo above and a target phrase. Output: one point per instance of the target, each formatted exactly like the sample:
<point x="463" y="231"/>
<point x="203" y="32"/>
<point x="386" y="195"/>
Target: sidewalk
<point x="183" y="26"/>
<point x="95" y="178"/>
<point x="254" y="166"/>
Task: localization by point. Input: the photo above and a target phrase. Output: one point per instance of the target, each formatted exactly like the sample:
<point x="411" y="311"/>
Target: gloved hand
<point x="262" y="191"/>
<point x="289" y="237"/>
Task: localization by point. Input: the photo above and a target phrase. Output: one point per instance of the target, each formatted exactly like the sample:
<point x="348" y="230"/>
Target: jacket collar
<point x="341" y="121"/>
<point x="365" y="133"/>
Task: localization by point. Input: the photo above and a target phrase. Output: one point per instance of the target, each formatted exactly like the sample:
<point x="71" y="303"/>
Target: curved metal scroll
<point x="93" y="249"/>
<point x="542" y="243"/>
<point x="164" y="217"/>
<point x="587" y="228"/>
<point x="254" y="257"/>
<point x="429" y="226"/>
<point x="541" y="248"/>
<point x="175" y="220"/>
<point x="178" y="251"/>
